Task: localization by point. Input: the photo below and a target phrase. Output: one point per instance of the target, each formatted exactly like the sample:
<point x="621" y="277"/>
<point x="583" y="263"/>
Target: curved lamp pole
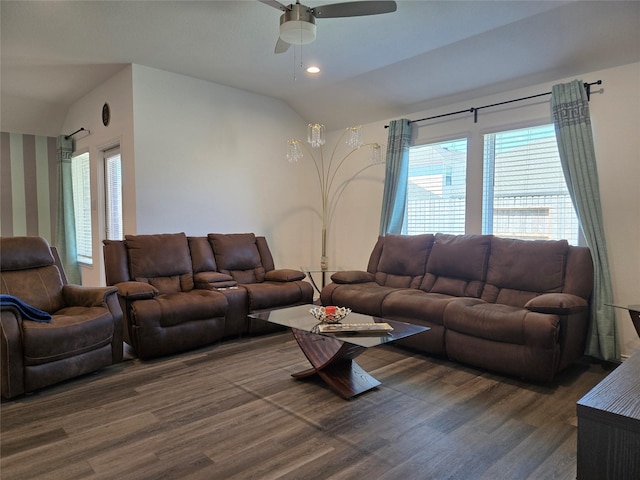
<point x="330" y="194"/>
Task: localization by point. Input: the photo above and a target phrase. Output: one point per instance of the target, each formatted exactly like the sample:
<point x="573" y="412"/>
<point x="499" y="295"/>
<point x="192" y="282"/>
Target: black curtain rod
<point x="81" y="129"/>
<point x="474" y="110"/>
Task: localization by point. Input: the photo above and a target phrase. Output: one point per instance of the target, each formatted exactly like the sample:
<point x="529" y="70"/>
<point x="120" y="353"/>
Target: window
<point x="525" y="194"/>
<point x="80" y="179"/>
<point x="113" y="194"/>
<point x="437" y="188"/>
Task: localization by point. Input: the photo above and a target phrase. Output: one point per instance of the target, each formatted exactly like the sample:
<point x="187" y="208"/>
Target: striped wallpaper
<point x="28" y="185"/>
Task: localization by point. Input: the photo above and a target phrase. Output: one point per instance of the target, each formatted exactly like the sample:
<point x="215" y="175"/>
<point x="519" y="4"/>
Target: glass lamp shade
<point x="354" y="136"/>
<point x="294" y="152"/>
<point x="315" y="135"/>
<point x="376" y="153"/>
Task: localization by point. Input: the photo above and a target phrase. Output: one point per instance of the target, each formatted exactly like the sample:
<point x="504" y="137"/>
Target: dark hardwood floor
<point x="232" y="411"/>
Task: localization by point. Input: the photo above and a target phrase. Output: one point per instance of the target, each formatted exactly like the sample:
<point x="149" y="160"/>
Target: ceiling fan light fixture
<point x="297" y="25"/>
<point x="298" y="32"/>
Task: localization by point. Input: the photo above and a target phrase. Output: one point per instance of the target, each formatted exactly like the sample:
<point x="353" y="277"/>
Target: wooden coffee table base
<point x="332" y="360"/>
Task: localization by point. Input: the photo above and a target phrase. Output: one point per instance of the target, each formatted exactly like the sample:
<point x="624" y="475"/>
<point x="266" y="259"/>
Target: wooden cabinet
<point x="609" y="426"/>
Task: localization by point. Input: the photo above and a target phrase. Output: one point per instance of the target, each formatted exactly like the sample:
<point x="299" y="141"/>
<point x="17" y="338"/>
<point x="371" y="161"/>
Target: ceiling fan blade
<point x="353" y="9"/>
<point x="274" y="4"/>
<point x="281" y="46"/>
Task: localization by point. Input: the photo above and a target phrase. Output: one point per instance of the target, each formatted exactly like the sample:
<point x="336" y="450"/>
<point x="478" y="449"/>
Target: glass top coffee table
<point x="331" y="355"/>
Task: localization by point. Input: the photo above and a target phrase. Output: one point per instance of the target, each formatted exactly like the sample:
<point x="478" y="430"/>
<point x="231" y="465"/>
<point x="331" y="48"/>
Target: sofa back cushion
<point x="202" y="258"/>
<point x="374" y="258"/>
<point x="522" y="269"/>
<point x="457" y="265"/>
<point x="403" y="260"/>
<point x="162" y="260"/>
<point x="265" y="254"/>
<point x="116" y="263"/>
<point x="237" y="255"/>
<point x="28" y="271"/>
<point x="578" y="277"/>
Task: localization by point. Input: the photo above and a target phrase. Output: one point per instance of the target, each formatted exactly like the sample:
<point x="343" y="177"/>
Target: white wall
<point x="615" y="115"/>
<point x="87" y="113"/>
<point x="211" y="158"/>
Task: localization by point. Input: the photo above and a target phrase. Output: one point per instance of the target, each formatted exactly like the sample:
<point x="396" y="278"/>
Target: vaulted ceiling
<point x="373" y="67"/>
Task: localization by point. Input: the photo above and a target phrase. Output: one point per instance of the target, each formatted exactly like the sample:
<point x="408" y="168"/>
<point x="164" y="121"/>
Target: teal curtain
<point x="394" y="198"/>
<point x="66" y="226"/>
<point x="570" y="108"/>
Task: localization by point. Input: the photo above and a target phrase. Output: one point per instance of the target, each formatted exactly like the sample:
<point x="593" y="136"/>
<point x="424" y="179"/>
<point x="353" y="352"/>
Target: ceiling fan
<point x="298" y="22"/>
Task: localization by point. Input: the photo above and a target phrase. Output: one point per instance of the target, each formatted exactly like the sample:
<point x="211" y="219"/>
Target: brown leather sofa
<point x="84" y="333"/>
<point x="180" y="292"/>
<point x="516" y="307"/>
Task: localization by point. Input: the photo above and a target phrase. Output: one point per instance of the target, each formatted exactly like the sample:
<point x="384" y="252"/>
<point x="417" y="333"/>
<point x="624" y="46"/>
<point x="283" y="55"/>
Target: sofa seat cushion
<point x="502" y="323"/>
<point x="365" y="298"/>
<point x="72" y="331"/>
<point x="277" y="294"/>
<point x="417" y="305"/>
<point x="175" y="308"/>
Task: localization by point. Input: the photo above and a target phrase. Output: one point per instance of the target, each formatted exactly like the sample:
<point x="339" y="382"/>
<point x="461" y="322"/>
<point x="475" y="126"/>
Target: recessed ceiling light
<point x="313" y="69"/>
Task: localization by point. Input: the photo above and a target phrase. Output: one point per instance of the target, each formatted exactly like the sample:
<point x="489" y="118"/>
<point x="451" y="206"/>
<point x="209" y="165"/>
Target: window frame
<point x="438" y="141"/>
<point x="532" y="114"/>
<point x="108" y="154"/>
<point x="84" y="249"/>
<point x="485" y="229"/>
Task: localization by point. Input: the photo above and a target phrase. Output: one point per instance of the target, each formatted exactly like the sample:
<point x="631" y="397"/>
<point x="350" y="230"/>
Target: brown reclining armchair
<point x="84" y="333"/>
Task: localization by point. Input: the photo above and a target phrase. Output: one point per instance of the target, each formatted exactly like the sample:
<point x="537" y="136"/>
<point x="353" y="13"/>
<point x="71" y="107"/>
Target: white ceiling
<point x="373" y="67"/>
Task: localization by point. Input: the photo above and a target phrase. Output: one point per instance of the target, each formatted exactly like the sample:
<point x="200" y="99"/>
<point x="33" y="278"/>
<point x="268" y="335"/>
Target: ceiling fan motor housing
<point x="298" y="25"/>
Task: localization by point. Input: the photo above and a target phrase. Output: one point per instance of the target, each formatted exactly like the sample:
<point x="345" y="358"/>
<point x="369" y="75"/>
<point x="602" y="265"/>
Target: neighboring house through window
<point x="436" y="195"/>
<point x="524" y="193"/>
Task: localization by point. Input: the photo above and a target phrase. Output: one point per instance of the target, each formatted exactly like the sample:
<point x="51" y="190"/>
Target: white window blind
<point x="525" y="194"/>
<point x="113" y="194"/>
<point x="437" y="188"/>
<point x="80" y="179"/>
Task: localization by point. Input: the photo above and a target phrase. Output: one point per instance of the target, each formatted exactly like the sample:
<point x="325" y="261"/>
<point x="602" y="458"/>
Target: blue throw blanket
<point x="27" y="311"/>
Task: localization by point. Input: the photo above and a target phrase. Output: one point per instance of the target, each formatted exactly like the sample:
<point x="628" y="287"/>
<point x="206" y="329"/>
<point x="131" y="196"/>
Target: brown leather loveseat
<point x="178" y="293"/>
<point x="512" y="306"/>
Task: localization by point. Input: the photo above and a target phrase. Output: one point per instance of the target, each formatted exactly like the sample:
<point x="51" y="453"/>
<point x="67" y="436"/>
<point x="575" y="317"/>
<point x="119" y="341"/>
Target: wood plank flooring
<point x="232" y="411"/>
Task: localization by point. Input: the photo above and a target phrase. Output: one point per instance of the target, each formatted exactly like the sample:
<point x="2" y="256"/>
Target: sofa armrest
<point x="352" y="276"/>
<point x="557" y="304"/>
<point x="284" y="275"/>
<point x="213" y="280"/>
<point x="77" y="295"/>
<point x="136" y="290"/>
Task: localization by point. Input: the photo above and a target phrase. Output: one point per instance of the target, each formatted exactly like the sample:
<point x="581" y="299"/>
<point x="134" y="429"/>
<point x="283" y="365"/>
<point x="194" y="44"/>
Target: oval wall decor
<point x="106" y="114"/>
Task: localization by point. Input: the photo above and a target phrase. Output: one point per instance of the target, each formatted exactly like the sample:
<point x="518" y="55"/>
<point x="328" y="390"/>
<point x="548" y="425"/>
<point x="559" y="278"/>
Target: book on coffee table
<point x="363" y="328"/>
